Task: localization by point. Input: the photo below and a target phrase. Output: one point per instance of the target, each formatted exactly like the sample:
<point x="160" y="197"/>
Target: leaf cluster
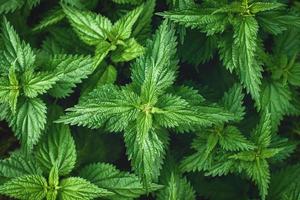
<point x="191" y="99"/>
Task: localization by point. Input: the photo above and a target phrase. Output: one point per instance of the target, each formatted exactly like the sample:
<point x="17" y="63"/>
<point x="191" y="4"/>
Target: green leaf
<point x="29" y="121"/>
<point x="294" y="192"/>
<point x="173" y="111"/>
<point x="234" y="7"/>
<point x="221" y="168"/>
<point x="232" y="140"/>
<point x="293" y="76"/>
<point x="51" y="17"/>
<point x="262" y="133"/>
<point x="264" y="6"/>
<point x="177" y="188"/>
<point x="76" y="188"/>
<point x="105" y="105"/>
<point x="197" y="162"/>
<point x="282" y="148"/>
<point x="71" y="69"/>
<point x="131" y="49"/>
<point x="25" y="187"/>
<point x="91" y="28"/>
<point x="57" y="149"/>
<point x="211" y="143"/>
<point x="32" y="3"/>
<point x="193" y="17"/>
<point x="213" y="114"/>
<point x="16" y="52"/>
<point x="10" y="6"/>
<point x="226" y="52"/>
<point x="270" y="152"/>
<point x="144" y="125"/>
<point x="259" y="172"/>
<point x="5" y="111"/>
<point x="51" y="194"/>
<point x="122" y="29"/>
<point x="276" y="99"/>
<point x="245" y="44"/>
<point x="233" y="101"/>
<point x="10" y="90"/>
<point x="38" y="83"/>
<point x="14" y="90"/>
<point x="189" y="94"/>
<point x="283" y="181"/>
<point x="142" y="28"/>
<point x="146" y="151"/>
<point x="275" y="22"/>
<point x="124" y="185"/>
<point x="18" y="165"/>
<point x="155" y="70"/>
<point x="51" y="47"/>
<point x="102" y="49"/>
<point x="193" y="53"/>
<point x="247" y="156"/>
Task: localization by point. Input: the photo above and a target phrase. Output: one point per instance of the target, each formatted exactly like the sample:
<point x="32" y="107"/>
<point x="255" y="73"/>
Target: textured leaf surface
<point x="261" y="6"/>
<point x="123" y="27"/>
<point x="122" y="184"/>
<point x="16" y="52"/>
<point x="35" y="84"/>
<point x="29" y="121"/>
<point x="106" y="104"/>
<point x="275" y="99"/>
<point x="71" y="69"/>
<point x="172" y="112"/>
<point x="91" y="28"/>
<point x="193" y="17"/>
<point x="80" y="189"/>
<point x="52" y="17"/>
<point x="131" y="50"/>
<point x="260" y="174"/>
<point x="155" y="71"/>
<point x="10" y="90"/>
<point x="146" y="152"/>
<point x="57" y="149"/>
<point x="232" y="139"/>
<point x="177" y="188"/>
<point x="25" y="187"/>
<point x="245" y="44"/>
<point x="18" y="165"/>
<point x="10" y="6"/>
<point x="233" y="101"/>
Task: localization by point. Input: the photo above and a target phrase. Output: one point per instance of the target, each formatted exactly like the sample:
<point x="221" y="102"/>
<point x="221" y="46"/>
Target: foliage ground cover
<point x="146" y="99"/>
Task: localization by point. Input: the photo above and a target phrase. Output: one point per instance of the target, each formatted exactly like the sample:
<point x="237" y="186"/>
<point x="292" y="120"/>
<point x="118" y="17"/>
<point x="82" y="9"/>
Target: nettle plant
<point x="167" y="100"/>
<point x="24" y="78"/>
<point x="111" y="43"/>
<point x="147" y="106"/>
<point x="224" y="149"/>
<point x="9" y="6"/>
<point x="45" y="173"/>
<point x="98" y="31"/>
<point x="237" y="24"/>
